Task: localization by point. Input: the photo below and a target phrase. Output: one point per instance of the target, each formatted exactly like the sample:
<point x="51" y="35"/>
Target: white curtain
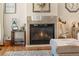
<point x="0" y="32"/>
<point x="1" y="23"/>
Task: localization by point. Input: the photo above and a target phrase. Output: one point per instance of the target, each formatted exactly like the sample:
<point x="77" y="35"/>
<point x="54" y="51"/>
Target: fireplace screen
<point x="41" y="33"/>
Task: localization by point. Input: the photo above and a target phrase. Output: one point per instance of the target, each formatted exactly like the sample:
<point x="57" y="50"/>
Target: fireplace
<point x="41" y="33"/>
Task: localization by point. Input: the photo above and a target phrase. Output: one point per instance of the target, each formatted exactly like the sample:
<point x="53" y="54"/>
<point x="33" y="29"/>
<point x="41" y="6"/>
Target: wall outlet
<point x="8" y="38"/>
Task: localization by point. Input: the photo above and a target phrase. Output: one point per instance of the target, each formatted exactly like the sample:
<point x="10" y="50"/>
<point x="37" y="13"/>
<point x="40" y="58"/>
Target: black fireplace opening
<point x="41" y="33"/>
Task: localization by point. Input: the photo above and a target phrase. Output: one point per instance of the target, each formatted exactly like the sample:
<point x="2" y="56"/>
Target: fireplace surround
<point x="45" y="21"/>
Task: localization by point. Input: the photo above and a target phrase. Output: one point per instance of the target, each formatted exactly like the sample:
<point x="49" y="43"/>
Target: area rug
<point x="28" y="53"/>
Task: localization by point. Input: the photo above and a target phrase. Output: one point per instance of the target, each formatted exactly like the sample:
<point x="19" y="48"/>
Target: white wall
<point x="65" y="15"/>
<point x="53" y="10"/>
<point x="21" y="19"/>
<point x="22" y="11"/>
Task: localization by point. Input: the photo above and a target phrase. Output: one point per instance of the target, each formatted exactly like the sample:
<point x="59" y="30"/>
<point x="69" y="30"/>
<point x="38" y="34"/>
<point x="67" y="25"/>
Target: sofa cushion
<point x="68" y="49"/>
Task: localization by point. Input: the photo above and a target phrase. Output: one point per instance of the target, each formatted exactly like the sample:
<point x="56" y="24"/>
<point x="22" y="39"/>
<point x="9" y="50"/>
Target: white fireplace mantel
<point x="44" y="20"/>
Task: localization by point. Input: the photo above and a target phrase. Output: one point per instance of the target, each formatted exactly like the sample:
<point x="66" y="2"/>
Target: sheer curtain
<point x="1" y="23"/>
<point x="0" y="32"/>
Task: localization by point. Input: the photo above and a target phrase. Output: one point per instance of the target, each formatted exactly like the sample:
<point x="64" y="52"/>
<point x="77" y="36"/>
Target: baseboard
<point x="1" y="43"/>
<point x="38" y="47"/>
<point x="42" y="45"/>
<point x="7" y="42"/>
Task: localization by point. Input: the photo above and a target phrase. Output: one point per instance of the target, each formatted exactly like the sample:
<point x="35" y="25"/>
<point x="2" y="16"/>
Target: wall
<point x="65" y="15"/>
<point x="22" y="11"/>
<point x="20" y="15"/>
<point x="53" y="10"/>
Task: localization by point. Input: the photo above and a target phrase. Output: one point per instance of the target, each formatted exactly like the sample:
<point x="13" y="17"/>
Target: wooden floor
<point x="7" y="47"/>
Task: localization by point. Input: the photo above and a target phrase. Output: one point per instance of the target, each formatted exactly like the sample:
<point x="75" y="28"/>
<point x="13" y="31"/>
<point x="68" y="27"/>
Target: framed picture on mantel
<point x="10" y="8"/>
<point x="41" y="7"/>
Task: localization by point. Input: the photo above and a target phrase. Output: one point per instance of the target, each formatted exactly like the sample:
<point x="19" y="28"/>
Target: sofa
<point x="64" y="47"/>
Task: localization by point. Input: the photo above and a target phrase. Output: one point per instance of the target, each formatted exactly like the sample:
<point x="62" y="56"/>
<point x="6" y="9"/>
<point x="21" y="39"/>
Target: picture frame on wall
<point x="10" y="8"/>
<point x="72" y="7"/>
<point x="41" y="7"/>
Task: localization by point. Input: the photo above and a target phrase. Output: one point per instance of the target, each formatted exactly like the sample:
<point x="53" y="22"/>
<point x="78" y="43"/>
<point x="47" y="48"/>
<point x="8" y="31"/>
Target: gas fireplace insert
<point x="41" y="33"/>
